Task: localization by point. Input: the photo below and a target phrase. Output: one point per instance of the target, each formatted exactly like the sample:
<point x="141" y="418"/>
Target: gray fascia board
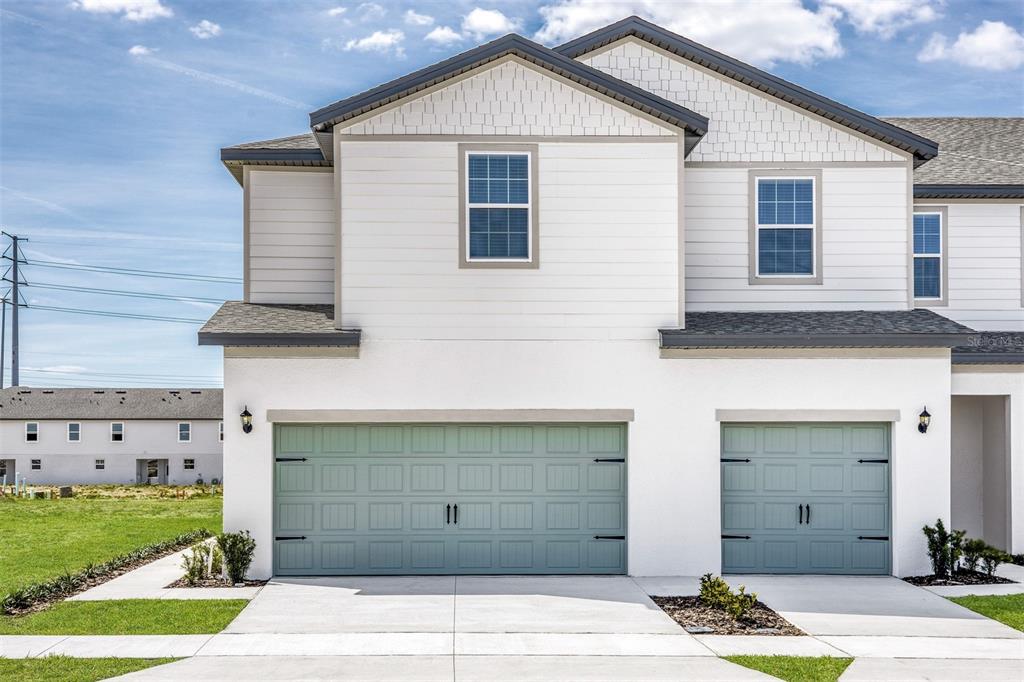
<point x="631" y="95"/>
<point x="988" y="358"/>
<point x="347" y="338"/>
<point x="230" y="154"/>
<point x="672" y="338"/>
<point x="942" y="191"/>
<point x="922" y="148"/>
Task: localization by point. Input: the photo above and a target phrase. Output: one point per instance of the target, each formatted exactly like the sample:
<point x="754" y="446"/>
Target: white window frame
<point x="35" y="465"/>
<point x="943" y="297"/>
<point x="79" y="431"/>
<point x="814" y="277"/>
<point x="35" y="432"/>
<point x="186" y="467"/>
<point x="220" y="432"/>
<point x="100" y="464"/>
<point x="123" y="434"/>
<point x="189" y="425"/>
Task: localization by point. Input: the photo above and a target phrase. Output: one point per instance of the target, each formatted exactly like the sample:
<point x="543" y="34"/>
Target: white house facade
<point x="623" y="306"/>
<point x="67" y="436"/>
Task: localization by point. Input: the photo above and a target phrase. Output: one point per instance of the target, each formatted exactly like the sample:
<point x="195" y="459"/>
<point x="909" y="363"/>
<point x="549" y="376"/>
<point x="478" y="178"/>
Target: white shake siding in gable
<point x="864" y="243"/>
<point x="984" y="264"/>
<point x="291" y="236"/>
<point x="608" y="217"/>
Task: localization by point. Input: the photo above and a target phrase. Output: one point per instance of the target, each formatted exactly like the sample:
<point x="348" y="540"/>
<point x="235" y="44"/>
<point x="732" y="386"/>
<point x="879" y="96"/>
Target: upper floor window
<point x="184" y="432"/>
<point x="929" y="253"/>
<point x="786" y="246"/>
<point x="499" y="218"/>
<point x="74" y="432"/>
<point x="31" y="432"/>
<point x="116" y="432"/>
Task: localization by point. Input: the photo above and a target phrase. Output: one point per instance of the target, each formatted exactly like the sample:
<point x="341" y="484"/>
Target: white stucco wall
<point x="674" y="446"/>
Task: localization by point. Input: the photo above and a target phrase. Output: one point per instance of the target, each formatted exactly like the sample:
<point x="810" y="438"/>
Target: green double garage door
<point x="806" y="498"/>
<point x="449" y="499"/>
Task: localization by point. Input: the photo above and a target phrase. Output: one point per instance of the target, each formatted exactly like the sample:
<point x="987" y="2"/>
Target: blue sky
<point x="114" y="111"/>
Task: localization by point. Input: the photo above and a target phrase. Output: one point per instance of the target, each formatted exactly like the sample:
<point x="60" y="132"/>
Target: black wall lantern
<point x="923" y="420"/>
<point x="246" y="420"/>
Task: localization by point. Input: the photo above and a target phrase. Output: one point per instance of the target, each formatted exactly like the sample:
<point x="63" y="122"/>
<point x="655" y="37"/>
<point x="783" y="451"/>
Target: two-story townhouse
<point x="65" y="436"/>
<point x="627" y="305"/>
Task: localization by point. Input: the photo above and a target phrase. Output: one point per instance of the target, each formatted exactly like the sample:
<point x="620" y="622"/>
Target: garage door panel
<point x="377" y="499"/>
<point x="804" y="513"/>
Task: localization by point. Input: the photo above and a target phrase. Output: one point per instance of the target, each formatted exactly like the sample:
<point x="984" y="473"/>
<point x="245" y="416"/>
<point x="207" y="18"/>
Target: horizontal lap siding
<point x="864" y="232"/>
<point x="984" y="264"/>
<point x="291" y="237"/>
<point x="608" y="227"/>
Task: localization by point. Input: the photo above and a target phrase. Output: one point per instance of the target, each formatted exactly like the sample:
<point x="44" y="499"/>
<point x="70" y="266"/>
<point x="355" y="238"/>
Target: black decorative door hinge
<point x="609" y="537"/>
<point x="730" y="459"/>
<point x="872" y="537"/>
<point x="735" y="537"/>
<point x="872" y="461"/>
<point x="609" y="459"/>
<point x="289" y="537"/>
<point x="289" y="459"/>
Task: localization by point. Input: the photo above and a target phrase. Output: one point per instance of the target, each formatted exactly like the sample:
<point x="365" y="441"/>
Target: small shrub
<point x="1017" y="559"/>
<point x="973" y="549"/>
<point x="991" y="557"/>
<point x="944" y="547"/>
<point x="217" y="562"/>
<point x="196" y="564"/>
<point x="238" y="549"/>
<point x="716" y="593"/>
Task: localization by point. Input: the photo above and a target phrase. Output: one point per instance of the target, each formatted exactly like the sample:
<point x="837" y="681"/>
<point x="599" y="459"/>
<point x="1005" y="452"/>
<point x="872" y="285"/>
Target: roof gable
<point x="671" y="113"/>
<point x="922" y="148"/>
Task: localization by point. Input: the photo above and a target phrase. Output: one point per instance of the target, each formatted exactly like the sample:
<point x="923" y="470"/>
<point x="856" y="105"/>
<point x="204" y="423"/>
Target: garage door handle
<point x="609" y="537"/>
<point x="456" y="509"/>
<point x="808" y="514"/>
<point x="872" y="537"/>
<point x="801" y="514"/>
<point x="447" y="514"/>
<point x="735" y="537"/>
<point x="289" y="537"/>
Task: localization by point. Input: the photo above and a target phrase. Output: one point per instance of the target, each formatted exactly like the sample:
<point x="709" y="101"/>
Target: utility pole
<point x="3" y="337"/>
<point x="15" y="258"/>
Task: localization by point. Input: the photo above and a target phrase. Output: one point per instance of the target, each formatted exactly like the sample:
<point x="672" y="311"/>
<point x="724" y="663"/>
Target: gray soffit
<point x="991" y="348"/>
<point x="264" y="324"/>
<point x="817" y="329"/>
<point x="922" y="148"/>
<point x="973" y="151"/>
<point x="969" y="191"/>
<point x="671" y="113"/>
<point x="70" y="404"/>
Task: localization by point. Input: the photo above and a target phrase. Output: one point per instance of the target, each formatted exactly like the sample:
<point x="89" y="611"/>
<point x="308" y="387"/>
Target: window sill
<point x="500" y="264"/>
<point x="786" y="279"/>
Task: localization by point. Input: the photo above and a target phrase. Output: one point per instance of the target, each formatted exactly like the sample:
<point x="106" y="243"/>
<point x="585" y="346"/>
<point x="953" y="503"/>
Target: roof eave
<point x="682" y="340"/>
<point x="972" y="191"/>
<point x="347" y="338"/>
<point x="969" y="358"/>
<point x="922" y="148"/>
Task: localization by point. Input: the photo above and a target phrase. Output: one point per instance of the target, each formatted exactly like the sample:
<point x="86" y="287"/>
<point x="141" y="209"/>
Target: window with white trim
<point x="498" y="206"/>
<point x="37" y="464"/>
<point x="101" y="464"/>
<point x="31" y="432"/>
<point x="785" y="226"/>
<point x="928" y="256"/>
<point x="74" y="432"/>
<point x="184" y="432"/>
<point x="190" y="464"/>
<point x="116" y="432"/>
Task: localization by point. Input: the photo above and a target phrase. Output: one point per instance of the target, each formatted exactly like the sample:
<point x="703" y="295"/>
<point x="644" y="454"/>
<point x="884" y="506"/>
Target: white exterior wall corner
<point x="674" y="523"/>
<point x="968" y="381"/>
<point x="290" y="225"/>
<point x="744" y="125"/>
<point x="985" y="264"/>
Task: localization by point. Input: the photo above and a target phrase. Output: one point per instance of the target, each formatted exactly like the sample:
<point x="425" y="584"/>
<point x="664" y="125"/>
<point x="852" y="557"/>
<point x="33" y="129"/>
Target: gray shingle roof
<point x="303" y="141"/>
<point x="295" y="150"/>
<point x="111" y="403"/>
<point x="972" y="151"/>
<point x="816" y="329"/>
<point x="991" y="347"/>
<point x="263" y="324"/>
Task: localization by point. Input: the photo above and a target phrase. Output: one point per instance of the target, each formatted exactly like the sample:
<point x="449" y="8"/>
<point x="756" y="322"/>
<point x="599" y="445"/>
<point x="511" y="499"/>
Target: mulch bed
<point x="692" y="613"/>
<point x="216" y="582"/>
<point x="959" y="578"/>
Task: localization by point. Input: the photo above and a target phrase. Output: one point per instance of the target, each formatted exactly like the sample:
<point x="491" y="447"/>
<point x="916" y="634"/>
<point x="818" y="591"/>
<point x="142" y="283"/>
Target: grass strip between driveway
<point x="796" y="668"/>
<point x="1008" y="609"/>
<point x="49" y="668"/>
<point x="127" y="617"/>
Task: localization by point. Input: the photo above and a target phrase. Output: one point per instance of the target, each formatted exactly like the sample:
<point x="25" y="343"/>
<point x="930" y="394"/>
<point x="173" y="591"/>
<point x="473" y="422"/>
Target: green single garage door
<point x="445" y="499"/>
<point x="805" y="498"/>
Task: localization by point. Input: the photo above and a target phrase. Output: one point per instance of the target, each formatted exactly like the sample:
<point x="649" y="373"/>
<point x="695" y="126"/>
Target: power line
<point x="130" y="294"/>
<point x="129" y="272"/>
<point x="111" y="313"/>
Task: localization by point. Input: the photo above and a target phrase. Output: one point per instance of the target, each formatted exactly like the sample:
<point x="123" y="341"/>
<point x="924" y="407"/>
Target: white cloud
<point x="133" y="10"/>
<point x="370" y="10"/>
<point x="139" y="50"/>
<point x="336" y="11"/>
<point x="992" y="46"/>
<point x="378" y="41"/>
<point x="205" y="29"/>
<point x="443" y="35"/>
<point x="414" y="19"/>
<point x="762" y="33"/>
<point x="885" y="17"/>
<point x="488" y="22"/>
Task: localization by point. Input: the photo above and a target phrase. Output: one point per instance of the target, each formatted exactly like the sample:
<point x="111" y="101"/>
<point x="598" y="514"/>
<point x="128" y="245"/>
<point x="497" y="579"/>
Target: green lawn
<point x="67" y="669"/>
<point x="43" y="538"/>
<point x="1007" y="608"/>
<point x="796" y="668"/>
<point x="127" y="617"/>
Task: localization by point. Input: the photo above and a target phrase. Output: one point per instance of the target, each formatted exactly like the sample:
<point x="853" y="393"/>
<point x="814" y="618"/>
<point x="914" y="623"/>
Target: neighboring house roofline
<point x="922" y="148"/>
<point x="694" y="124"/>
<point x="968" y="191"/>
<point x="26" y="403"/>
